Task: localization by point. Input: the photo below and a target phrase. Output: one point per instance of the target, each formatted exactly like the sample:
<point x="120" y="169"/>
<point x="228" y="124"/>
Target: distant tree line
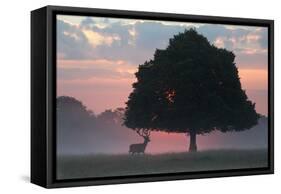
<point x="78" y="128"/>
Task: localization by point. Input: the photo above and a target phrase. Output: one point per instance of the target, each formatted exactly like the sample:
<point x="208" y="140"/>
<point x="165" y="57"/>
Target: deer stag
<point x="139" y="148"/>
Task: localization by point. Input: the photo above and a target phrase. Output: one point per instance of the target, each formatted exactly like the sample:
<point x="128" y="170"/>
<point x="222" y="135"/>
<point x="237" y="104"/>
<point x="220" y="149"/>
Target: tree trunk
<point x="192" y="143"/>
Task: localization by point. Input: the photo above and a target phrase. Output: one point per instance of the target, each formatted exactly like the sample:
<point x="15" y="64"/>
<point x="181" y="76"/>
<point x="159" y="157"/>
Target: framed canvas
<point x="127" y="96"/>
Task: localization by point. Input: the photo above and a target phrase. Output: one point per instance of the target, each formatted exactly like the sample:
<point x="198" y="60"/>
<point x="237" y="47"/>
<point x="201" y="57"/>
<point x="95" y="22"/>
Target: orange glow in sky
<point x="101" y="93"/>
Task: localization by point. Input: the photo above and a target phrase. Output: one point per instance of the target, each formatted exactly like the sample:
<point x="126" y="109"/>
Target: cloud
<point x="264" y="37"/>
<point x="212" y="31"/>
<point x="135" y="41"/>
<point x="96" y="39"/>
<point x="98" y="69"/>
<point x="248" y="40"/>
<point x="151" y="35"/>
<point x="72" y="42"/>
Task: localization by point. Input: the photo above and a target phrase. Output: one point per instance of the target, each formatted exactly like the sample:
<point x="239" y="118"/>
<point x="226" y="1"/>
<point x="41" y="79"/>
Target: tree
<point x="112" y="117"/>
<point x="75" y="124"/>
<point x="72" y="114"/>
<point x="190" y="87"/>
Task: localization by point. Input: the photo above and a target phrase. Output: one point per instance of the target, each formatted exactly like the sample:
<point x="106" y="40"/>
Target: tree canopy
<point x="192" y="87"/>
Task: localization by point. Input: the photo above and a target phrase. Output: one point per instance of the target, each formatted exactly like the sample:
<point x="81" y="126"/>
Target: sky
<point x="97" y="57"/>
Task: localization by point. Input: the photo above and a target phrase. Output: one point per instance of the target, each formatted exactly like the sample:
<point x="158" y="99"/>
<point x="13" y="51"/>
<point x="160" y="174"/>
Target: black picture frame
<point x="43" y="95"/>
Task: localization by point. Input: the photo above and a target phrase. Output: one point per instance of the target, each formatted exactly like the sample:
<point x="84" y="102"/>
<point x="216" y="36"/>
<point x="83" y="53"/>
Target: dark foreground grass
<point x="69" y="167"/>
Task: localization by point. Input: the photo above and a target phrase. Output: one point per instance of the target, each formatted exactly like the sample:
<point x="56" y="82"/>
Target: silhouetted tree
<point x="71" y="113"/>
<point x="80" y="131"/>
<point x="74" y="124"/>
<point x="112" y="116"/>
<point x="190" y="87"/>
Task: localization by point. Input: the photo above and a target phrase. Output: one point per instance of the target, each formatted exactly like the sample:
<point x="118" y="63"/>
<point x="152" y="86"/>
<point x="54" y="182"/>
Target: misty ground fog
<point x="80" y="131"/>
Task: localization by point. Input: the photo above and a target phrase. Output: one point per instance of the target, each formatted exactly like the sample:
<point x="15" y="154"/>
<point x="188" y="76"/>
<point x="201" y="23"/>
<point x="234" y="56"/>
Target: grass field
<point x="69" y="167"/>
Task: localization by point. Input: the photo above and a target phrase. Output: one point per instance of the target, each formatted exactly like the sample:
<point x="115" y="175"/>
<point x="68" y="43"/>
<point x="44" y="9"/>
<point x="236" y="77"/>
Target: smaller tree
<point x="75" y="124"/>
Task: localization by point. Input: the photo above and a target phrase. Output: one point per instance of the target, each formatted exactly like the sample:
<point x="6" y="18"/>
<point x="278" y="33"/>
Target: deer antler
<point x="148" y="133"/>
<point x="143" y="132"/>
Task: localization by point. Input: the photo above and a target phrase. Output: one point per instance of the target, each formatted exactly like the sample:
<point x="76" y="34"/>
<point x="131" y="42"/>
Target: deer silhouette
<point x="140" y="148"/>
